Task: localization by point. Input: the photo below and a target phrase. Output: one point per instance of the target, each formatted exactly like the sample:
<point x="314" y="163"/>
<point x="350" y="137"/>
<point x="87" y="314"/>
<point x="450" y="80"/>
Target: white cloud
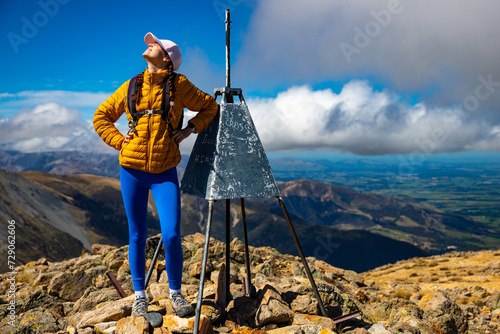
<point x="367" y="122"/>
<point x="358" y="119"/>
<point x="85" y="102"/>
<point x="435" y="48"/>
<point x="67" y="98"/>
<point x="49" y="127"/>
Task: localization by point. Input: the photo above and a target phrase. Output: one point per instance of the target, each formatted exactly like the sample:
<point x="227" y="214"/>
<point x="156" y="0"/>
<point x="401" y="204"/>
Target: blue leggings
<point x="135" y="185"/>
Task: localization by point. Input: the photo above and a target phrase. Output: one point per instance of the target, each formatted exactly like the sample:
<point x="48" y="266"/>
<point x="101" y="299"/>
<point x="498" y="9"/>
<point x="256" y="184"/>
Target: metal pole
<point x="153" y="262"/>
<point x="248" y="281"/>
<point x="228" y="50"/>
<point x="228" y="250"/>
<point x="116" y="284"/>
<point x="203" y="267"/>
<point x="304" y="261"/>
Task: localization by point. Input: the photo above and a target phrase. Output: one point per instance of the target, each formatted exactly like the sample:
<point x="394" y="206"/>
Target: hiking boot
<point x="180" y="306"/>
<point x="140" y="307"/>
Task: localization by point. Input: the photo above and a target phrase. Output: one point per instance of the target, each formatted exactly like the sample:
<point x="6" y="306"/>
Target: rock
<point x="92" y="297"/>
<point x="98" y="249"/>
<point x="413" y="326"/>
<point x="272" y="309"/>
<point x="211" y="310"/>
<point x="285" y="302"/>
<point x="40" y="300"/>
<point x="70" y="285"/>
<point x="445" y="315"/>
<point x="84" y="331"/>
<point x="109" y="311"/>
<point x="186" y="325"/>
<point x="115" y="258"/>
<point x="132" y="325"/>
<point x="357" y="331"/>
<point x="242" y="310"/>
<point x="106" y="327"/>
<point x="304" y="329"/>
<point x="96" y="271"/>
<point x="305" y="304"/>
<point x="404" y="312"/>
<point x="44" y="279"/>
<point x="87" y="261"/>
<point x="159" y="291"/>
<point x="30" y="274"/>
<point x="162" y="330"/>
<point x="378" y="329"/>
<point x="194" y="269"/>
<point x="493" y="301"/>
<point x="382" y="311"/>
<point x="43" y="320"/>
<point x="316" y="320"/>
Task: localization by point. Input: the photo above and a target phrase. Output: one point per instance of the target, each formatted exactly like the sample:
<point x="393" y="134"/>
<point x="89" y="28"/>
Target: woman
<point x="149" y="154"/>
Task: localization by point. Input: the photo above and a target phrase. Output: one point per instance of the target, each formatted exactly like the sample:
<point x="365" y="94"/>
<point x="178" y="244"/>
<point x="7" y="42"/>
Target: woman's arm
<point x="108" y="113"/>
<point x="196" y="100"/>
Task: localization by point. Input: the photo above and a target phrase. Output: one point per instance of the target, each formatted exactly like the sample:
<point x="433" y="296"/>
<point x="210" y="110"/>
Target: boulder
<point x="445" y="315"/>
<point x="43" y="320"/>
<point x="242" y="310"/>
<point x="70" y="285"/>
<point x="92" y="297"/>
<point x="186" y="325"/>
<point x="305" y="304"/>
<point x="315" y="320"/>
<point x="272" y="309"/>
<point x="132" y="325"/>
<point x="109" y="311"/>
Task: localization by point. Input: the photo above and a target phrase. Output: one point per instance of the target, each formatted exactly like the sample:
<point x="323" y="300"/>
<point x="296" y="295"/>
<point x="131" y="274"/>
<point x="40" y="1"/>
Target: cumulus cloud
<point x="359" y="119"/>
<point x="86" y="102"/>
<point x="364" y="121"/>
<point x="49" y="127"/>
<point x="68" y="98"/>
<point x="438" y="49"/>
<point x="54" y="127"/>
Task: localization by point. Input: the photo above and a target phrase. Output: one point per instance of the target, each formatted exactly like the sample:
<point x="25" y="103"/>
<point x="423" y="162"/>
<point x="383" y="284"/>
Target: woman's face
<point x="154" y="52"/>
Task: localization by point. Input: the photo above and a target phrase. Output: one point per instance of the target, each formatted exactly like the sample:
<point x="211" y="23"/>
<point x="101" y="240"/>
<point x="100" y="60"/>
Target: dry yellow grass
<point x="455" y="269"/>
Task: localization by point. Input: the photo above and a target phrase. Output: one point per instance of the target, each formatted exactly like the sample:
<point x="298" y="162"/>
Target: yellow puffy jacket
<point x="153" y="150"/>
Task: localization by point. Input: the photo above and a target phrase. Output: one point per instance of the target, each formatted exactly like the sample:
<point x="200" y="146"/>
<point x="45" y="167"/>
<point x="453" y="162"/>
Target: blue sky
<point x="365" y="77"/>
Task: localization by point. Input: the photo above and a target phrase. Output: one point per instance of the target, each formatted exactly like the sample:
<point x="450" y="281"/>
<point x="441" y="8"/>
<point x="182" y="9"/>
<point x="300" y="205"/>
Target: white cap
<point x="172" y="49"/>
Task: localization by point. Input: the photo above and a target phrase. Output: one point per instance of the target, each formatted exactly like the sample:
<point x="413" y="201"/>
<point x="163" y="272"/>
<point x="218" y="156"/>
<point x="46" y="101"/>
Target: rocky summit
<point x="76" y="295"/>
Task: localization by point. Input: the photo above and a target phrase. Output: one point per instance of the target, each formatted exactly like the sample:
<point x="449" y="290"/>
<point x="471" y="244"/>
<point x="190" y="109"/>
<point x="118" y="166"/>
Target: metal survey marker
<point x="228" y="162"/>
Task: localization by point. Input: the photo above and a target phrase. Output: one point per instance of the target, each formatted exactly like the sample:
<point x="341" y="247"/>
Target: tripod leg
<point x="203" y="267"/>
<point x="153" y="262"/>
<point x="304" y="261"/>
<point x="248" y="281"/>
<point x="228" y="250"/>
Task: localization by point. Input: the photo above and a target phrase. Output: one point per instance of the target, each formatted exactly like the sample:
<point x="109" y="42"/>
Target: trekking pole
<point x="153" y="262"/>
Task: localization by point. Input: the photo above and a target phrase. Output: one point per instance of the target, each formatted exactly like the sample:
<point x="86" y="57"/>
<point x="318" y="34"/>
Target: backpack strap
<point x="132" y="89"/>
<point x="165" y="105"/>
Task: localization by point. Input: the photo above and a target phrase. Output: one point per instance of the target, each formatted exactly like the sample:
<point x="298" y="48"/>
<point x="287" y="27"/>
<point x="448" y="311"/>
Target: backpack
<point x="165" y="105"/>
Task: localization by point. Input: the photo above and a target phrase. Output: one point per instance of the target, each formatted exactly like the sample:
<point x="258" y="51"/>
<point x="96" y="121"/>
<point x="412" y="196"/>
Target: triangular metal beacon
<point x="228" y="162"/>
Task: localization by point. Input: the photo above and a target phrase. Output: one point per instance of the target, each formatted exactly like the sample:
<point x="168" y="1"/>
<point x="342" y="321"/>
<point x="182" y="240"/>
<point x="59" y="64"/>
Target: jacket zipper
<point x="149" y="151"/>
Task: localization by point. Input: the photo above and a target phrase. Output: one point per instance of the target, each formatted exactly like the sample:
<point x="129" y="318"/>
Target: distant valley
<point x="63" y="210"/>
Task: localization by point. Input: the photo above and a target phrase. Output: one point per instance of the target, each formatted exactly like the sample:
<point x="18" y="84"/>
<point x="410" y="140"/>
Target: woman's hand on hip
<point x="128" y="137"/>
<point x="180" y="135"/>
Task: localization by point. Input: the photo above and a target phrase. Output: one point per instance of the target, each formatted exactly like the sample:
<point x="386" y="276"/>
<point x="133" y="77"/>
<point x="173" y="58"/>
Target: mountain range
<point x="60" y="216"/>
